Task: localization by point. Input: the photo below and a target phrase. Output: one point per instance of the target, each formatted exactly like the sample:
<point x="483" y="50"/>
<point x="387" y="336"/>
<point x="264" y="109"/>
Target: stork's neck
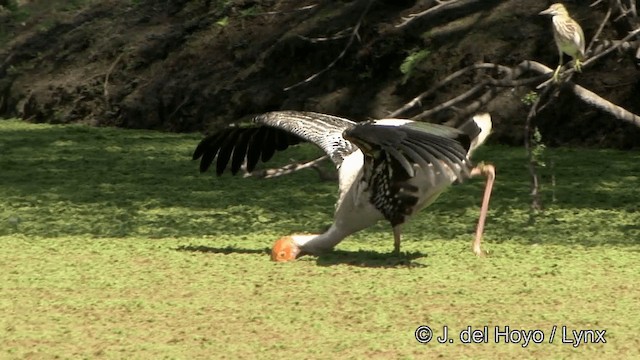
<point x="320" y="242"/>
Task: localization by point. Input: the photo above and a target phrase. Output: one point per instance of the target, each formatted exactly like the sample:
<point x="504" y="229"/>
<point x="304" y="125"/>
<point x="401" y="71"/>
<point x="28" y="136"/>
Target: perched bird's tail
<point x="478" y="129"/>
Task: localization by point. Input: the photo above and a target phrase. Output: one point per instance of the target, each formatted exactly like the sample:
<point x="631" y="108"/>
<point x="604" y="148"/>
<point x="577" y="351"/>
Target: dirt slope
<point x="181" y="65"/>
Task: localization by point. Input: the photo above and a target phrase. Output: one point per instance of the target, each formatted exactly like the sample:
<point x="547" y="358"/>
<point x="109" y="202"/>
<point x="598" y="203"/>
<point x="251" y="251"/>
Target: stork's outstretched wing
<point x="274" y="131"/>
<point x="409" y="142"/>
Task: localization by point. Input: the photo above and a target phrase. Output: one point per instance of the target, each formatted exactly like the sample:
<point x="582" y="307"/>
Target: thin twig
<point x="483" y="99"/>
<point x="303" y="8"/>
<point x="595" y="37"/>
<point x="623" y="45"/>
<point x="287" y="169"/>
<point x="610" y="49"/>
<point x="354" y="35"/>
<point x="418" y="99"/>
<point x="106" y="80"/>
<point x="509" y="80"/>
<point x="441" y="7"/>
<point x="451" y="102"/>
<point x="536" y="200"/>
<point x="182" y="103"/>
<point x="337" y="36"/>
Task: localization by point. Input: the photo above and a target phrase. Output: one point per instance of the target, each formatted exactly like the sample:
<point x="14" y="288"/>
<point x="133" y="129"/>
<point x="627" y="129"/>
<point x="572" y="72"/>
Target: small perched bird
<point x="388" y="169"/>
<point x="568" y="36"/>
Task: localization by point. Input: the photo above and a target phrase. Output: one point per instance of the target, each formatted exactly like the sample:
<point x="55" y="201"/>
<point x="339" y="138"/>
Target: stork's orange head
<point x="284" y="250"/>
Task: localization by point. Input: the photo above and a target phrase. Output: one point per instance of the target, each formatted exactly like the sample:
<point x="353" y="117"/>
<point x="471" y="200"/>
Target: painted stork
<point x="388" y="169"/>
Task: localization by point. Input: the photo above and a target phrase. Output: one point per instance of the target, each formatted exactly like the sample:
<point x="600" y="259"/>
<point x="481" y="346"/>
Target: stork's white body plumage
<point x="390" y="168"/>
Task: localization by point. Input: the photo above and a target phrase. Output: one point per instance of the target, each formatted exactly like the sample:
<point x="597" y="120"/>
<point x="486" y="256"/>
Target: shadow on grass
<point x="360" y="258"/>
<point x="371" y="259"/>
<point x="222" y="250"/>
<point x="77" y="180"/>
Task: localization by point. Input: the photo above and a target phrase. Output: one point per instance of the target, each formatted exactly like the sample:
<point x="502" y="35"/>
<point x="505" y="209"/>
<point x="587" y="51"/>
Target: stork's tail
<point x="478" y="129"/>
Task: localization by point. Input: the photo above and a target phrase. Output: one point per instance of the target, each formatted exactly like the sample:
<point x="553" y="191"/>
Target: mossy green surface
<point x="112" y="245"/>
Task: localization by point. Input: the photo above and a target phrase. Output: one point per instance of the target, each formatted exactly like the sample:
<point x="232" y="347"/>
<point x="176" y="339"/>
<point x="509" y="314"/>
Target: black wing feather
<point x="268" y="144"/>
<point x="253" y="151"/>
<point x="273" y="132"/>
<point x="240" y="151"/>
<point x="208" y="150"/>
<point x="225" y="151"/>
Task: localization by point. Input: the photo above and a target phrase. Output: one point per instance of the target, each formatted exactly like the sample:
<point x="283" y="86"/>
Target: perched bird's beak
<point x="545" y="12"/>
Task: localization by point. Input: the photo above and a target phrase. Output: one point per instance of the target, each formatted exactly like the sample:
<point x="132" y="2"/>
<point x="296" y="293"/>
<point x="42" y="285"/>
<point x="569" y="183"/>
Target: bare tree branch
<point x="510" y="80"/>
<point x="614" y="46"/>
<point x="592" y="98"/>
<point x="447" y="104"/>
<point x="417" y="101"/>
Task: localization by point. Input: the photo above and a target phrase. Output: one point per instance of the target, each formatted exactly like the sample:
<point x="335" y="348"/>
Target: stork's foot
<point x="285" y="250"/>
<point x="479" y="252"/>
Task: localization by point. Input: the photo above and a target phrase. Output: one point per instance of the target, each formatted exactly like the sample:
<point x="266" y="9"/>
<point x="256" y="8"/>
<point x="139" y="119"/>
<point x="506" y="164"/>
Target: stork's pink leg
<point x="489" y="171"/>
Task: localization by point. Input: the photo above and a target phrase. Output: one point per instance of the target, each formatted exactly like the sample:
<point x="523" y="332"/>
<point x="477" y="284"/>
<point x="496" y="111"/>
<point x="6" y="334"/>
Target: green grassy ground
<point x="113" y="246"/>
